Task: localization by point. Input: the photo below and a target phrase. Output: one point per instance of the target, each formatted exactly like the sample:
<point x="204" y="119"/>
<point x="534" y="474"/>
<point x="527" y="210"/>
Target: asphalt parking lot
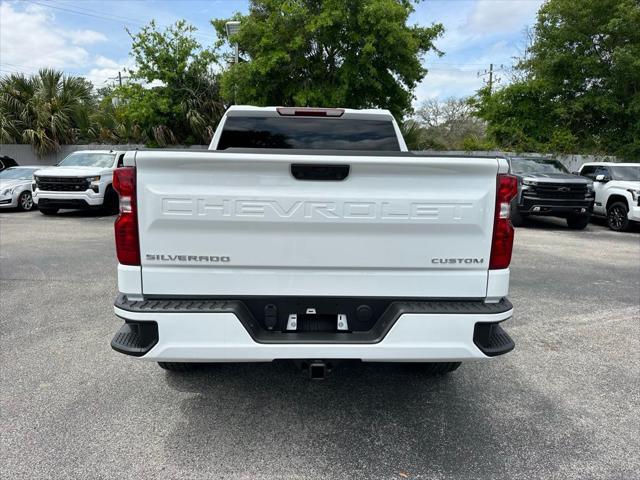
<point x="565" y="404"/>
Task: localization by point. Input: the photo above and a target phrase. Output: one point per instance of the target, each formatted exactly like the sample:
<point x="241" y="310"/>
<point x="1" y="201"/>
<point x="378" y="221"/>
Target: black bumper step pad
<point x="492" y="340"/>
<point x="135" y="338"/>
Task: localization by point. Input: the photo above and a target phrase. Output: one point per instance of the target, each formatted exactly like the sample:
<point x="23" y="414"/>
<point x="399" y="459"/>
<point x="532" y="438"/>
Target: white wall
<point x="25" y="155"/>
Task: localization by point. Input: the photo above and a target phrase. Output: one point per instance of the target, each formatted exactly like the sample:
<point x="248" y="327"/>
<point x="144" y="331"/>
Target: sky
<point x="89" y="38"/>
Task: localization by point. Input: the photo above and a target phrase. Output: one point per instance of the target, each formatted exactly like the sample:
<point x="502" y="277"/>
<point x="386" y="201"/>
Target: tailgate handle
<point x="302" y="171"/>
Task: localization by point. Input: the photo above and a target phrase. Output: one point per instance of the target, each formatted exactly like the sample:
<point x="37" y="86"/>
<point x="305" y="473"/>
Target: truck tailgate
<point x="239" y="224"/>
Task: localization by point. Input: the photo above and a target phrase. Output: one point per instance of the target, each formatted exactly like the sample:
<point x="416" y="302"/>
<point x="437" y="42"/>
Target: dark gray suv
<point x="545" y="187"/>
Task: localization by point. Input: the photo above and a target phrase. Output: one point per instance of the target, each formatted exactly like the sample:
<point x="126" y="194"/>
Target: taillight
<point x="502" y="242"/>
<point x="309" y="112"/>
<point x="126" y="226"/>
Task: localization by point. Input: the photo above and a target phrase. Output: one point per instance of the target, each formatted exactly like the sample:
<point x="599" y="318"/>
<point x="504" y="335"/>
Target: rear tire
<point x="517" y="220"/>
<point x="110" y="205"/>
<point x="440" y="368"/>
<point x="48" y="211"/>
<point x="617" y="217"/>
<point x="178" y="366"/>
<point x="577" y="223"/>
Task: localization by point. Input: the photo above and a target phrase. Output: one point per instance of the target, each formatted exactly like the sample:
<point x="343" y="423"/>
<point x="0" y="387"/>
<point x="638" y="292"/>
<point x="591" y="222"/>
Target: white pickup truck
<point x="312" y="235"/>
<point x="83" y="180"/>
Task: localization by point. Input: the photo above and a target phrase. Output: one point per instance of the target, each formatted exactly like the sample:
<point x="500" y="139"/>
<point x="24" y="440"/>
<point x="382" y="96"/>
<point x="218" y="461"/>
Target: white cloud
<point x="29" y="40"/>
<point x="105" y="62"/>
<point x="443" y="82"/>
<point x="154" y="83"/>
<point x="490" y="16"/>
<point x="85" y="37"/>
<point x="106" y="71"/>
<point x="476" y="34"/>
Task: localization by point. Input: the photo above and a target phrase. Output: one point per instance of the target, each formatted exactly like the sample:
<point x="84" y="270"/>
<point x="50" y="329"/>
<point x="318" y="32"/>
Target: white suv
<point x="83" y="180"/>
<point x="617" y="189"/>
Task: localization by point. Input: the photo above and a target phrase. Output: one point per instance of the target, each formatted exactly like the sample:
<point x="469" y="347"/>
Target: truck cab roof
<point x="246" y="126"/>
<point x="274" y="110"/>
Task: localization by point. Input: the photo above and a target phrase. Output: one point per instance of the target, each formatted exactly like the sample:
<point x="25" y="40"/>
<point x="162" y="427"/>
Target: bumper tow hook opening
<point x="315" y="369"/>
<point x="318" y="370"/>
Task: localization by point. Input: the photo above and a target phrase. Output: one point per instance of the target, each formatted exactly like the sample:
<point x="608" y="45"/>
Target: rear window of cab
<point x="311" y="133"/>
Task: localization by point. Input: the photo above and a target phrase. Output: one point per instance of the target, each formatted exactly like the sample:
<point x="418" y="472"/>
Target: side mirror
<point x="602" y="178"/>
<point x="575" y="173"/>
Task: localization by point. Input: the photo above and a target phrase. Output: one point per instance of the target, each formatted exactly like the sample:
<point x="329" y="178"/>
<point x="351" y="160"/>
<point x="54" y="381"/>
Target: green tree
<point x="449" y="124"/>
<point x="173" y="96"/>
<point x="44" y="110"/>
<point x="579" y="87"/>
<point x="360" y="53"/>
<point x="108" y="122"/>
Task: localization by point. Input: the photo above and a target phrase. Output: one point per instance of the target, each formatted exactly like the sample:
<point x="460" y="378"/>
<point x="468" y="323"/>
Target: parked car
<point x="617" y="188"/>
<point x="15" y="187"/>
<point x="313" y="235"/>
<point x="83" y="180"/>
<point x="6" y="162"/>
<point x="545" y="187"/>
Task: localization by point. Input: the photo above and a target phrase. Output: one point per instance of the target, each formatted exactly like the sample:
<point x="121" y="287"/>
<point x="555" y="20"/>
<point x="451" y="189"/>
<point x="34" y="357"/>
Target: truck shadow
<point x="545" y="223"/>
<point x="82" y="214"/>
<point x="559" y="224"/>
<point x="364" y="421"/>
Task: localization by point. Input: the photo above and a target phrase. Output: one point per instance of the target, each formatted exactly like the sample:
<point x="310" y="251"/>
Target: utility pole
<point x="118" y="78"/>
<point x="490" y="74"/>
<point x="232" y="28"/>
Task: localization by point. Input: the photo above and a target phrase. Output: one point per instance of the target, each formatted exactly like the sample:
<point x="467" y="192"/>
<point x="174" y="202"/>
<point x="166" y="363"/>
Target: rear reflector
<point x="502" y="241"/>
<point x="310" y="112"/>
<point x="126" y="225"/>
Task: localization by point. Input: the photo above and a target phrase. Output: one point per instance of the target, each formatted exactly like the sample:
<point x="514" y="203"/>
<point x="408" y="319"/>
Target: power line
<point x="461" y="63"/>
<point x="16" y="68"/>
<point x="475" y="1"/>
<point x="112" y="18"/>
<point x="85" y="13"/>
<point x="14" y="65"/>
<point x="168" y="1"/>
<point x="247" y="1"/>
<point x="5" y="70"/>
<point x="95" y="13"/>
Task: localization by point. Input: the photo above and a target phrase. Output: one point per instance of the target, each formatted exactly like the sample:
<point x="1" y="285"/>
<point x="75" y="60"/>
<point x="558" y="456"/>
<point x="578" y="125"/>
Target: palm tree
<point x="413" y="134"/>
<point x="15" y="93"/>
<point x="44" y="110"/>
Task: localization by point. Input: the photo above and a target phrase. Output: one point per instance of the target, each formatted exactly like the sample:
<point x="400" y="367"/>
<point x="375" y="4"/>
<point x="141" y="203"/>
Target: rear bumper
<point x="555" y="207"/>
<point x="51" y="199"/>
<point x="223" y="335"/>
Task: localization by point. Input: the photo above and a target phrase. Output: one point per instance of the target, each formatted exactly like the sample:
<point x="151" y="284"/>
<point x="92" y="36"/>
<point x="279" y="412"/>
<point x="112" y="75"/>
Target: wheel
<point x="441" y="368"/>
<point x="48" y="211"/>
<point x="617" y="217"/>
<point x="111" y="201"/>
<point x="25" y="201"/>
<point x="178" y="366"/>
<point x="578" y="223"/>
<point x="517" y="220"/>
